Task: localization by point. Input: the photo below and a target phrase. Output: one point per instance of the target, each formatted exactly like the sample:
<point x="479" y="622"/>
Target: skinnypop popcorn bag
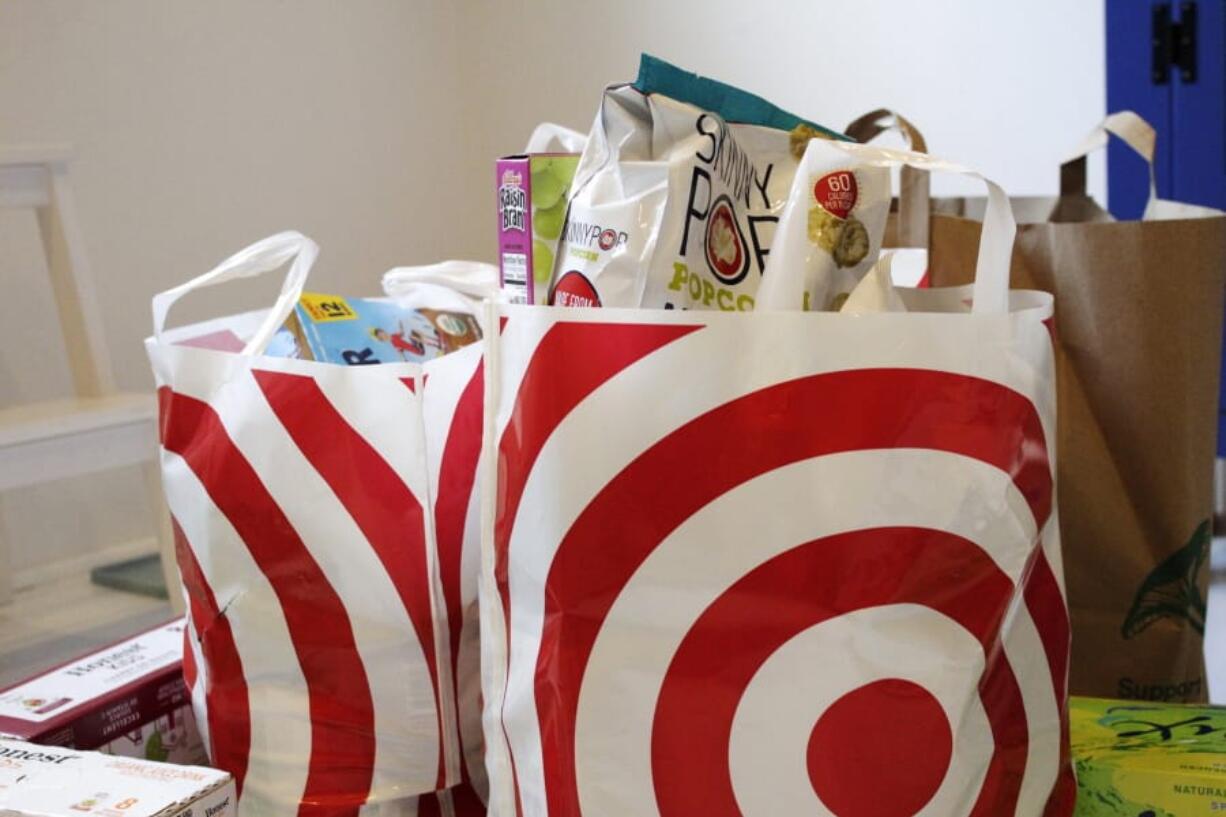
<point x="676" y="198"/>
<point x="831" y="229"/>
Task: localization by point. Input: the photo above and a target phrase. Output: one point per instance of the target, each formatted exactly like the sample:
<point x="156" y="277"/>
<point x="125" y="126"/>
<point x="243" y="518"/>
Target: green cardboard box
<point x="1141" y="759"/>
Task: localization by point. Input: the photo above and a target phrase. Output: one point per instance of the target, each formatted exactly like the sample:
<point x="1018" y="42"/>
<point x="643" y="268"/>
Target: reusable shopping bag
<point x="318" y="652"/>
<point x="776" y="563"/>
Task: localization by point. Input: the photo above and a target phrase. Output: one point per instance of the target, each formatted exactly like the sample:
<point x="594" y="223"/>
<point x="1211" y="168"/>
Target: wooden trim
<point x="73" y="286"/>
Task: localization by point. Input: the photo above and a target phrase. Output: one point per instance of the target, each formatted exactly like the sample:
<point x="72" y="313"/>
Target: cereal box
<point x="532" y="193"/>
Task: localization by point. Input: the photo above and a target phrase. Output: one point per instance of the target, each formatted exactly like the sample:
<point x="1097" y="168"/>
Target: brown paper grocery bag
<point x="1139" y="335"/>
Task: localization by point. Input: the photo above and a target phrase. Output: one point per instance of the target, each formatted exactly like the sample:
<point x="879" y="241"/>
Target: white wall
<point x="1008" y="88"/>
<point x="199" y="127"/>
<point x="372" y="125"/>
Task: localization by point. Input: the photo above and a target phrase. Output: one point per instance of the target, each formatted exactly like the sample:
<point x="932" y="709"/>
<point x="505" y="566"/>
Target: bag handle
<point x="261" y="257"/>
<point x="475" y="279"/>
<point x="571" y="141"/>
<point x="869" y="126"/>
<point x="914" y="186"/>
<point x="991" y="288"/>
<point x="1132" y="129"/>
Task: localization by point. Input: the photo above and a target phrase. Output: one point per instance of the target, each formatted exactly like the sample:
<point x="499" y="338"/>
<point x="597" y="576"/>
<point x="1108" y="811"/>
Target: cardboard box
<point x="361" y="331"/>
<point x="1136" y="758"/>
<point x="126" y="699"/>
<point x="532" y="193"/>
<point x="52" y="781"/>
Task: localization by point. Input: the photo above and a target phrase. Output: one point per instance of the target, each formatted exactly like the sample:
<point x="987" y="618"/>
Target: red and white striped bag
<point x="453" y="388"/>
<point x="452" y="405"/>
<point x="776" y="563"/>
<point x="318" y="653"/>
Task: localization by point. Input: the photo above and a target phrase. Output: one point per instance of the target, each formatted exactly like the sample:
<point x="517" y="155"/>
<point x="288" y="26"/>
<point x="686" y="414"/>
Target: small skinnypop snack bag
<point x="677" y="194"/>
<point x="832" y="225"/>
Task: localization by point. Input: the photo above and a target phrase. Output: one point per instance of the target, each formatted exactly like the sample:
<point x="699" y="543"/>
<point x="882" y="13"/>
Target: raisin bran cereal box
<point x="533" y="190"/>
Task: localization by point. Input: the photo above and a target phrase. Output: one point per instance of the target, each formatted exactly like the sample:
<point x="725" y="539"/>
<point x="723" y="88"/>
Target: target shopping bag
<point x="452" y="406"/>
<point x="318" y="653"/>
<point x="777" y="563"/>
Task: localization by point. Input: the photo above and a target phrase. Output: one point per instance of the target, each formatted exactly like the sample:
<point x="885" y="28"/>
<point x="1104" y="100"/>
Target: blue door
<point x="1167" y="62"/>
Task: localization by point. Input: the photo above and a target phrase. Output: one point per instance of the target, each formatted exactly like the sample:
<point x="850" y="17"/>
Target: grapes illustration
<point x="547" y="186"/>
<point x="551" y="177"/>
<point x="547" y="224"/>
<point x="542" y="262"/>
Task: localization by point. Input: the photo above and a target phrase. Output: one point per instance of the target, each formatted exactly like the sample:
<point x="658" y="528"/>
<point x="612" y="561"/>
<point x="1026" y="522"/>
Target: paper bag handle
<point x="1131" y="129"/>
<point x="547" y="133"/>
<point x="261" y="257"/>
<point x="991" y="288"/>
<point x="914" y="186"/>
<point x="869" y="126"/>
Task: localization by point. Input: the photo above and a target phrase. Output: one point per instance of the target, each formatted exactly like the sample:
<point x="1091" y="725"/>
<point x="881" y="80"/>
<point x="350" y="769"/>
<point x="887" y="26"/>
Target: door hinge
<point x="1173" y="42"/>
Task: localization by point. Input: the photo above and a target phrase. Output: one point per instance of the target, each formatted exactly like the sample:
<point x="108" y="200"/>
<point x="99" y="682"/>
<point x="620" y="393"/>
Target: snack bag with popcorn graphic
<point x="832" y="225"/>
<point x="677" y="194"/>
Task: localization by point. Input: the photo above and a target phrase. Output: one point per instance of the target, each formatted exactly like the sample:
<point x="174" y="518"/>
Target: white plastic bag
<point x="452" y="401"/>
<point x="459" y="286"/>
<point x="318" y="649"/>
<point x="452" y="405"/>
<point x="550" y="138"/>
<point x="779" y="563"/>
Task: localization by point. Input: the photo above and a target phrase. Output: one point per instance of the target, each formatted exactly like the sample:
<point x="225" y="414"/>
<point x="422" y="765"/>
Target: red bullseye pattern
<point x="800" y="589"/>
<point x="782" y="424"/>
<point x="890" y="737"/>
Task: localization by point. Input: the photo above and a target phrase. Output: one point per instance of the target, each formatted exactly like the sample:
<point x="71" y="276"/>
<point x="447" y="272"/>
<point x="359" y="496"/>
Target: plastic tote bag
<point x="452" y="406"/>
<point x="775" y="563"/>
<point x="317" y="654"/>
